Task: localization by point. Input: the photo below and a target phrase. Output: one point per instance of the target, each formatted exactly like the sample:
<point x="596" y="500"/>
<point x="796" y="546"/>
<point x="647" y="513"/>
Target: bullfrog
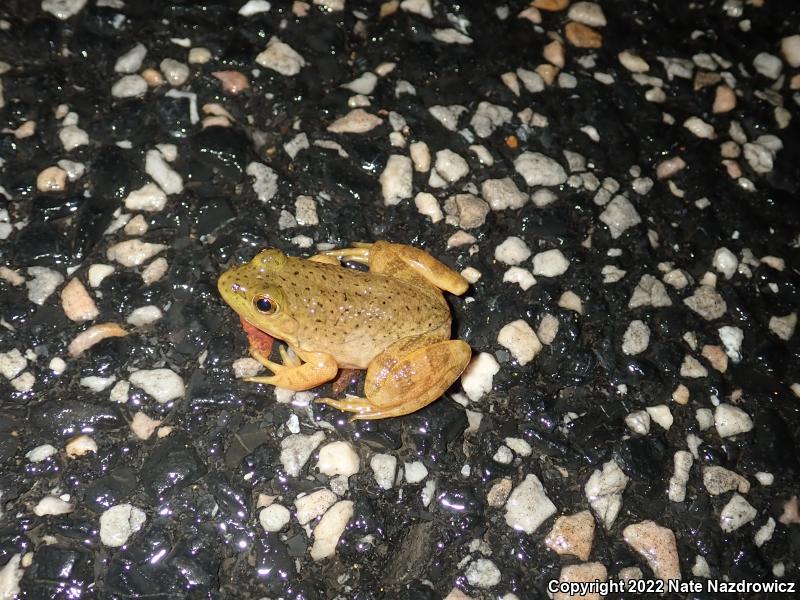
<point x="391" y="320"/>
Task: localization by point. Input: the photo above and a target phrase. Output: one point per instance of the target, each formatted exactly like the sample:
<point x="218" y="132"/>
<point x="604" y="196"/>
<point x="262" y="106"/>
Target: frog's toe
<point x="289" y="360"/>
<point x="363" y="409"/>
<point x="265" y="379"/>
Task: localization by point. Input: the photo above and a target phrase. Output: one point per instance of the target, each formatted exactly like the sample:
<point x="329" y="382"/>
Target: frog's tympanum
<point x="392" y="321"/>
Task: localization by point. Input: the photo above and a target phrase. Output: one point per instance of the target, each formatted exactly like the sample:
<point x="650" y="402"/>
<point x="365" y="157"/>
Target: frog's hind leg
<point x="413" y="264"/>
<point x="360" y="253"/>
<point x="317" y="368"/>
<point x="408" y="375"/>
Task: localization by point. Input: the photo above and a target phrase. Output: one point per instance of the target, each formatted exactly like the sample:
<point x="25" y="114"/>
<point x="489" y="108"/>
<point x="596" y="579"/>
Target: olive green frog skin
<point x="392" y="321"/>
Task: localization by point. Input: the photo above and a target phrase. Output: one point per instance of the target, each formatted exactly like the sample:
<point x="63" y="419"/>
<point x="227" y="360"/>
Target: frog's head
<point x="255" y="292"/>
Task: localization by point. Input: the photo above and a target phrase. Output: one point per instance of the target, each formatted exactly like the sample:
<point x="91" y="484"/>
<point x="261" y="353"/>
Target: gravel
<point x="618" y="188"/>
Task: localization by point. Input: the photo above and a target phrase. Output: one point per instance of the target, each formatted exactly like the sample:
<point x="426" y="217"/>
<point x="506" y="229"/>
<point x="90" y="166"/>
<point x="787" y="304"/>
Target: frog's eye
<point x="265" y="305"/>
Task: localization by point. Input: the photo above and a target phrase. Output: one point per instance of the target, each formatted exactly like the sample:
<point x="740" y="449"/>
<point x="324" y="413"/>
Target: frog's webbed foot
<point x="363" y="409"/>
<point x="294" y="374"/>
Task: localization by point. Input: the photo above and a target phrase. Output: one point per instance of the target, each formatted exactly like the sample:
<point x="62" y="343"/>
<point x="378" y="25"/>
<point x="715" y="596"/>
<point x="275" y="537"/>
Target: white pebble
<point x="118" y="523"/>
<point x="76" y="302"/>
<point x="633" y="62"/>
<point x="482" y="154"/>
<point x="520" y="276"/>
<point x="482" y="573"/>
<point x="620" y="215"/>
<point x="528" y="506"/>
<point x="330" y="528"/>
<point x="488" y="117"/>
<point x="396" y="179"/>
<point x="274" y="517"/>
<point x="731" y="420"/>
<point x="306" y="211"/>
<point x="504" y="456"/>
<point x="154" y="271"/>
<point x="40" y="453"/>
<point x="12" y="363"/>
<point x="719" y="480"/>
<point x="636" y="338"/>
<point x="44" y="283"/>
<point x="132" y="253"/>
<point x="519" y="338"/>
<point x="175" y="72"/>
<point x="338" y="458"/>
<point x="143" y="426"/>
<point x="162" y="384"/>
<point x="700" y="128"/>
<point x="313" y="505"/>
<point x="129" y="86"/>
<point x="419" y="7"/>
<point x="266" y="180"/>
<point x="131" y="61"/>
<point x="732" y="338"/>
<point x="383" y="468"/>
<point x="80" y="446"/>
<point x="149" y="198"/>
<point x="52" y="505"/>
<point x="420" y="156"/>
<point x="768" y="65"/>
<point x="657" y="546"/>
<point x="543" y="197"/>
<point x="428" y="205"/>
<point x="254" y="7"/>
<point x="166" y="177"/>
<point x="98" y="272"/>
<point x="735" y="513"/>
<point x="661" y="415"/>
<point x="450" y="166"/>
<point x="604" y="492"/>
<point x="365" y="84"/>
<point x="790" y="47"/>
<point x="538" y="169"/>
<point x="550" y="263"/>
<point x="512" y="251"/>
<point x="97" y="384"/>
<point x="281" y="57"/>
<point x="296" y="449"/>
<point x="638" y="422"/>
<point x="144" y="316"/>
<point x="451" y="36"/>
<point x="477" y="377"/>
<point x="682" y="463"/>
<point x="447" y="115"/>
<point x="415" y="471"/>
<point x="725" y="262"/>
<point x="11" y="573"/>
<point x="62" y="9"/>
<point x="356" y="121"/>
<point x="72" y="137"/>
<point x="784" y="326"/>
<point x="706" y="302"/>
<point x="588" y="13"/>
<point x="503" y="193"/>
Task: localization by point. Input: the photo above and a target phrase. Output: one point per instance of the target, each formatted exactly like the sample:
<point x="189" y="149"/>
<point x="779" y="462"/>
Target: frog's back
<point x="354" y="315"/>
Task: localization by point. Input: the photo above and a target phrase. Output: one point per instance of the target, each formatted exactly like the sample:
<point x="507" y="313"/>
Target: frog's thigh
<point x="409" y="263"/>
<point x="318" y="368"/>
<point x="413" y="372"/>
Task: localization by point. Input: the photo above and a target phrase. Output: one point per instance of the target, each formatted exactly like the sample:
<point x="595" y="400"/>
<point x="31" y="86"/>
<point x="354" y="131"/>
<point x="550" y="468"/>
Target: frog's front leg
<point x="407" y="376"/>
<point x="316" y="369"/>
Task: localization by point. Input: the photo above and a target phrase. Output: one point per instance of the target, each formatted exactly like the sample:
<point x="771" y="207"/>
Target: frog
<point x="390" y="319"/>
